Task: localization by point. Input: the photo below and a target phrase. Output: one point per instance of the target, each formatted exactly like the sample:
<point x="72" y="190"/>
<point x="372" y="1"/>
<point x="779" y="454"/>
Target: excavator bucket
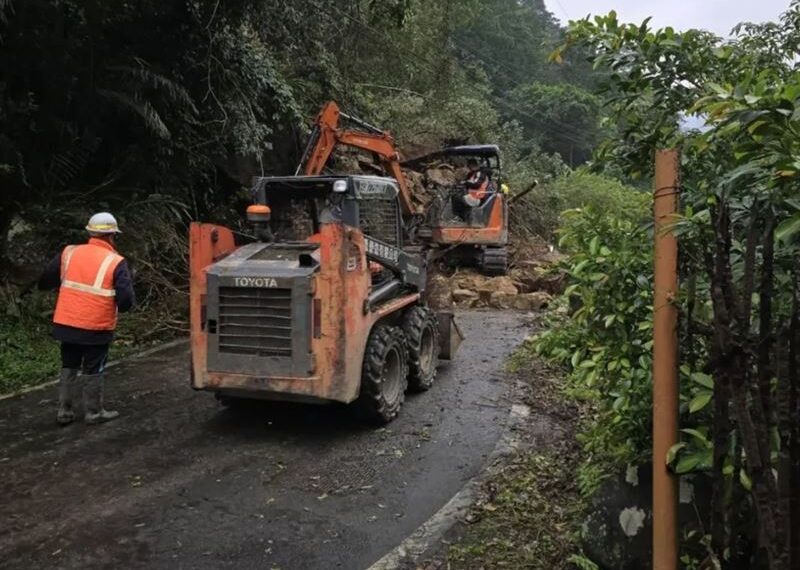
<point x="450" y="335"/>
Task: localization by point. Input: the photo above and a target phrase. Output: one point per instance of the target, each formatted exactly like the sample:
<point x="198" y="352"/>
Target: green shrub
<point x="28" y="354"/>
<point x="602" y="332"/>
<point x="540" y="211"/>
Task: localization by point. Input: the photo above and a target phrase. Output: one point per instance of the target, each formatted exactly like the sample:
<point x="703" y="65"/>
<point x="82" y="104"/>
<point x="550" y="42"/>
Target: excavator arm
<point x="327" y="135"/>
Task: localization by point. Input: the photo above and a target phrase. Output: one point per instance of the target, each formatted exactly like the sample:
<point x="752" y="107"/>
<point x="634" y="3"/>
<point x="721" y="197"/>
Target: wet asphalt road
<point x="180" y="482"/>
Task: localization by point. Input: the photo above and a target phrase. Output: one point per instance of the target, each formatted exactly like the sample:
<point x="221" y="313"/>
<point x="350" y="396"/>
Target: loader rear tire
<point x="421" y="328"/>
<point x="384" y="374"/>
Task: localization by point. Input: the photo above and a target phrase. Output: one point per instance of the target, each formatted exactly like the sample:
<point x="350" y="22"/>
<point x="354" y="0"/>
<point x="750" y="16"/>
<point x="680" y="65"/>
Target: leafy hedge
<point x="602" y="330"/>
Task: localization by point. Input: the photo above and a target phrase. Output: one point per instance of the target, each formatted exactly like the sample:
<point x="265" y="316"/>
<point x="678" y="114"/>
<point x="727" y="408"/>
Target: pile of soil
<point x="530" y="285"/>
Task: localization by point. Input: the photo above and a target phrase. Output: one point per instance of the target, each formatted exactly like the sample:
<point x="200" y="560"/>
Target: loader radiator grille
<point x="379" y="219"/>
<point x="255" y="321"/>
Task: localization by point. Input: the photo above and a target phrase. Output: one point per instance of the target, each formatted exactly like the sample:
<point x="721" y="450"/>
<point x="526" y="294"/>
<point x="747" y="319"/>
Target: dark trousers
<point x="90" y="358"/>
<point x="460" y="207"/>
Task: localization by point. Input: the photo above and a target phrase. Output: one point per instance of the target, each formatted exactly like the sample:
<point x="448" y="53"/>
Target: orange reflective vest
<point x="481" y="191"/>
<point x="86" y="297"/>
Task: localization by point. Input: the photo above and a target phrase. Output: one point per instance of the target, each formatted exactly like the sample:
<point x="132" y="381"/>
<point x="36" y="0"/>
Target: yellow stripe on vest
<point x="101" y="273"/>
<point x="88" y="289"/>
<point x="70" y="250"/>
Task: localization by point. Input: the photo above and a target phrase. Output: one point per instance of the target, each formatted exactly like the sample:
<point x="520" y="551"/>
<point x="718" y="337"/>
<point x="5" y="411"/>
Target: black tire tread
<point x="371" y="399"/>
<point x="414" y="322"/>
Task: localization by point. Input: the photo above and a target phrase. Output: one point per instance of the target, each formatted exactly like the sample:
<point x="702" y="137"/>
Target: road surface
<point x="180" y="482"/>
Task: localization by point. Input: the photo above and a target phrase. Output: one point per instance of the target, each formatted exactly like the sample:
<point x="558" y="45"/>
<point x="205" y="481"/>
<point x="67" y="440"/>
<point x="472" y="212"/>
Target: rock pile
<point x="469" y="289"/>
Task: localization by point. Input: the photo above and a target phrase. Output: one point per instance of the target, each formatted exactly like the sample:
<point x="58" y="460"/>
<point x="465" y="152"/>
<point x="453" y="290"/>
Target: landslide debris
<point x="530" y="284"/>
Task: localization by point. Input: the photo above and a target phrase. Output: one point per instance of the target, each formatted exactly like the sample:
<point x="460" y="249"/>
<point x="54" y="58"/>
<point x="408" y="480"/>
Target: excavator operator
<point x="476" y="186"/>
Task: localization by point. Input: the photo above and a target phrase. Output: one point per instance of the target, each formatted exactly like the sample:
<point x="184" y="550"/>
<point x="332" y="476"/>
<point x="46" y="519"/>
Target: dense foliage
<point x="740" y="299"/>
<point x="163" y="111"/>
<point x="606" y="339"/>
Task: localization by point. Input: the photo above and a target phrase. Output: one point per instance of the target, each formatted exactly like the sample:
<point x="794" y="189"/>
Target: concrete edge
<point x="433" y="530"/>
<point x="141" y="354"/>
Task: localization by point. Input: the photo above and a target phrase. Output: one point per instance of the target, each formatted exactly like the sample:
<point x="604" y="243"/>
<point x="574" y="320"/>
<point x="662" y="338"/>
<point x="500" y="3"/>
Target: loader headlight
<point x="340" y="186"/>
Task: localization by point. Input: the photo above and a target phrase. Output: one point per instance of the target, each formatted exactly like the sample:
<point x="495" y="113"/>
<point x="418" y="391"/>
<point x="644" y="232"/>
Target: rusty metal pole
<point x="665" y="361"/>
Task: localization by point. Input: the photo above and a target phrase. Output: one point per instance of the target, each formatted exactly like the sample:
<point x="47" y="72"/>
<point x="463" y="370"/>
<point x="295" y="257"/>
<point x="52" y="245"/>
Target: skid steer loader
<point x="324" y="306"/>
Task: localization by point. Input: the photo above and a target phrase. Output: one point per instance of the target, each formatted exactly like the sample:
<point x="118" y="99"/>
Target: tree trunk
<point x="7" y="214"/>
<point x="732" y="369"/>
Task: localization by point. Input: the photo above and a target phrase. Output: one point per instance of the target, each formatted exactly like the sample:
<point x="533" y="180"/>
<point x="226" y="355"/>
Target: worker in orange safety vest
<point x="94" y="283"/>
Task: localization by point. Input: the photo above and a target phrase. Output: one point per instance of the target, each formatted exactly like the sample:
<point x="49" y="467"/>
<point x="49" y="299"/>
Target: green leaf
<point x="700" y="401"/>
<point x="673" y="451"/>
<point x="688" y="463"/>
<point x="594" y="245"/>
<point x="580" y="266"/>
<point x="695" y="461"/>
<point x="745" y="480"/>
<point x="698" y="435"/>
<point x="788" y="228"/>
<point x="703" y="379"/>
<point x="610" y="320"/>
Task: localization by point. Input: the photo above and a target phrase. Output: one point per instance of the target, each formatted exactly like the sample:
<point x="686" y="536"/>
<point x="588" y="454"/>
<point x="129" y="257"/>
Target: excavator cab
<point x="479" y="236"/>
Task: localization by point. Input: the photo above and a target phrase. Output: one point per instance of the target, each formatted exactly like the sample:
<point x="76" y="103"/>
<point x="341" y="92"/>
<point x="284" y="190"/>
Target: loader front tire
<point x="421" y="328"/>
<point x="384" y="374"/>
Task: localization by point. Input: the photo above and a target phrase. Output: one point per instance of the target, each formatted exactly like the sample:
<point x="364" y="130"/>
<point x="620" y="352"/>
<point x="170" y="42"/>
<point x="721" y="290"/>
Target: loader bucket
<point x="450" y="335"/>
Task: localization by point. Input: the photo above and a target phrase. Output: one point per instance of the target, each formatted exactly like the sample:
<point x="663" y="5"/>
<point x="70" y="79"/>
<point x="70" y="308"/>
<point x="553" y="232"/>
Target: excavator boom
<point x="327" y="135"/>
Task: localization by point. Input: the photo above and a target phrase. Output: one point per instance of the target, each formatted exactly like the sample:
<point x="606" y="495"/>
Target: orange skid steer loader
<point x="324" y="306"/>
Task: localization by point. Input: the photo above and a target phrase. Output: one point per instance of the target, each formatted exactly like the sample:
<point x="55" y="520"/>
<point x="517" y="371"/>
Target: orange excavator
<point x="479" y="238"/>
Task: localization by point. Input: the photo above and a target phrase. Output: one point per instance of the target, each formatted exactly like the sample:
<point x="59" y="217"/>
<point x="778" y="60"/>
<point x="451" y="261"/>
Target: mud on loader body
<point x="325" y="307"/>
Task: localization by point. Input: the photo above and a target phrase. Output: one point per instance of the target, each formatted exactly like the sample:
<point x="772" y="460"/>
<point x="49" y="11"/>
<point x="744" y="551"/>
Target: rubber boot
<point x="93" y="392"/>
<point x="67" y="384"/>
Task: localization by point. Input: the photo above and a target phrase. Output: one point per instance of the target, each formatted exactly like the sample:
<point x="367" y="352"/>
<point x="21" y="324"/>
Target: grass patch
<point x="29" y="355"/>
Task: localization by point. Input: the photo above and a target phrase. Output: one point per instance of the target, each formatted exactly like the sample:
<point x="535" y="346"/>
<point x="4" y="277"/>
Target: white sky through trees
<point x="717" y="16"/>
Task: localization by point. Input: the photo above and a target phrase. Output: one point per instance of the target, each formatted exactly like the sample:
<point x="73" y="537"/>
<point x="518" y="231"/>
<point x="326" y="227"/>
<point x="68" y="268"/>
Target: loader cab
<point x="299" y="204"/>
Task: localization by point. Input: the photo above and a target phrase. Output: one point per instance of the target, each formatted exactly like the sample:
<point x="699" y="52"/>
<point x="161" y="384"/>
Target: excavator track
<point x="494" y="261"/>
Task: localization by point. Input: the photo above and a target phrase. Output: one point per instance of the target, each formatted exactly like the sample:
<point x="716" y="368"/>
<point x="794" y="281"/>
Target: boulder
<point x="491" y="290"/>
<point x="535" y="301"/>
<point x="439" y="293"/>
<point x="442" y="175"/>
<point x="501" y="300"/>
<point x="502" y="284"/>
<point x="464" y="296"/>
<point x="469" y="280"/>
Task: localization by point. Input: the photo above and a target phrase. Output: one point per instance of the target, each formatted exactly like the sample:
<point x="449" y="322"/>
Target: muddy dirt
<point x="180" y="482"/>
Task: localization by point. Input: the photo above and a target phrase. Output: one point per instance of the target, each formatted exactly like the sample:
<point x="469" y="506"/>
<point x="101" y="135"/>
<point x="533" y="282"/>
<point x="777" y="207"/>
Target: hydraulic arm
<point x="327" y="135"/>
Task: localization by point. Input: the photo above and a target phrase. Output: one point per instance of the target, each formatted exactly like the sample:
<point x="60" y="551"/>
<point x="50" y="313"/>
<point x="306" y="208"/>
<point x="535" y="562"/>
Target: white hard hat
<point x="102" y="223"/>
